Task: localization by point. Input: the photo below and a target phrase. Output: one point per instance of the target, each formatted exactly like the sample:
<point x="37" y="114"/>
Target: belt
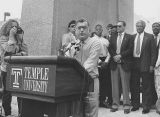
<point x="136" y="58"/>
<point x="102" y="58"/>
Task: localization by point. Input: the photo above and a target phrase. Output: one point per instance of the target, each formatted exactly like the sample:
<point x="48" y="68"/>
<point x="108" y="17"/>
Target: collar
<point x="71" y="34"/>
<point x="98" y="37"/>
<point x="85" y="41"/>
<point x="121" y="33"/>
<point x="157" y="35"/>
<point x="141" y="33"/>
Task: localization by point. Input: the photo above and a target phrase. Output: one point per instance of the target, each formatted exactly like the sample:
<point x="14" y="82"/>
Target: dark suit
<point x="141" y="68"/>
<point x="154" y="94"/>
<point x="121" y="71"/>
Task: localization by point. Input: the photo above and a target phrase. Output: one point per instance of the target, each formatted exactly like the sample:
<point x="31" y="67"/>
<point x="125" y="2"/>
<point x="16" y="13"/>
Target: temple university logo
<point x="16" y="73"/>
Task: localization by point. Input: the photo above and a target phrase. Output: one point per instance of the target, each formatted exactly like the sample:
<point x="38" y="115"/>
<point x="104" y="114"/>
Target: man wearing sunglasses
<point x="121" y="50"/>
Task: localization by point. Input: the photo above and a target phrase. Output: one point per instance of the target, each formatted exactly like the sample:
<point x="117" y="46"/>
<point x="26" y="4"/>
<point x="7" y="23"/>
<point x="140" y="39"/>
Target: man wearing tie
<point x="88" y="55"/>
<point x="144" y="58"/>
<point x="121" y="50"/>
<point x="155" y="29"/>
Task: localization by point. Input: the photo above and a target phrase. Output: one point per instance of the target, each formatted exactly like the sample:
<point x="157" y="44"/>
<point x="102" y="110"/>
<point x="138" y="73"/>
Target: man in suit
<point x="144" y="58"/>
<point x="121" y="49"/>
<point x="155" y="29"/>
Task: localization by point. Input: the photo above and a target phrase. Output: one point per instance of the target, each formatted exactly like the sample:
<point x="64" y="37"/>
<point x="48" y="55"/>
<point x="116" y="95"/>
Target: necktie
<point x="119" y="44"/>
<point x="138" y="51"/>
<point x="156" y="40"/>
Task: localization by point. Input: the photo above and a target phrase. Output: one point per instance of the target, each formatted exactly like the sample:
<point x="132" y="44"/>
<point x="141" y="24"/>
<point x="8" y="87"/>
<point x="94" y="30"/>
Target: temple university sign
<point x="34" y="79"/>
<point x="17" y="74"/>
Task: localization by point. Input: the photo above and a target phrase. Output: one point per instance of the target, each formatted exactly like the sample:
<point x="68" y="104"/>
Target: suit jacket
<point x="126" y="51"/>
<point x="157" y="48"/>
<point x="148" y="53"/>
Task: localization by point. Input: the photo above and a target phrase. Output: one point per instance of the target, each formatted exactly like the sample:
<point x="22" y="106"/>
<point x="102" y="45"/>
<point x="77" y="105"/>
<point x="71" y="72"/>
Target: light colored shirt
<point x="104" y="47"/>
<point x="68" y="38"/>
<point x="158" y="60"/>
<point x="135" y="44"/>
<point x="158" y="38"/>
<point x="89" y="55"/>
<point x="119" y="42"/>
<point x="122" y="36"/>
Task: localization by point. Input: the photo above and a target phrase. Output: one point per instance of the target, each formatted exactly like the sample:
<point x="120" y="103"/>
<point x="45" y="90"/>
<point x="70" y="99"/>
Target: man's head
<point x="98" y="30"/>
<point x="156" y="28"/>
<point x="114" y="29"/>
<point x="140" y="26"/>
<point x="82" y="29"/>
<point x="71" y="26"/>
<point x="121" y="25"/>
<point x="109" y="28"/>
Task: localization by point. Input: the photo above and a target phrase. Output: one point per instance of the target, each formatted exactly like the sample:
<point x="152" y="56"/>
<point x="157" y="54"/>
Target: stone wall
<point x="45" y="21"/>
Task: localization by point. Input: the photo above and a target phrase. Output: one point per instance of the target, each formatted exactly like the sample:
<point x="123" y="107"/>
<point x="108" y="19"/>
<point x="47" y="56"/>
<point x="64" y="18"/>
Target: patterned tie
<point x="119" y="43"/>
<point x="155" y="37"/>
<point x="138" y="47"/>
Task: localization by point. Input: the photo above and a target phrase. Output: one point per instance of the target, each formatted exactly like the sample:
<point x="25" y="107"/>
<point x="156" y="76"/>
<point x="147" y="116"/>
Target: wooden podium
<point x="47" y="85"/>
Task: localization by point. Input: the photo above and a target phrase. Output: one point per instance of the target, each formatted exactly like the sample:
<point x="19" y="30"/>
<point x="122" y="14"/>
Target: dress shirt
<point x="122" y="36"/>
<point x="104" y="47"/>
<point x="135" y="44"/>
<point x="158" y="38"/>
<point x="89" y="55"/>
<point x="68" y="38"/>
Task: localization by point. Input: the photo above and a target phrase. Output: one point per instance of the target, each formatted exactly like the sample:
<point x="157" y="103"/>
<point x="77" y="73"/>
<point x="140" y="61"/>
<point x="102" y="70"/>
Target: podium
<point x="47" y="85"/>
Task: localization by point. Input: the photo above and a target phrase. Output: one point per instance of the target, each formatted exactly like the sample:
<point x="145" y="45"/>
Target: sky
<point x="12" y="6"/>
<point x="149" y="10"/>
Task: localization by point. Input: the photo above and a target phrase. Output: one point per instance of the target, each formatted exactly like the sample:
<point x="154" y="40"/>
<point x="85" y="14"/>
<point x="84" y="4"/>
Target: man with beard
<point x="156" y="30"/>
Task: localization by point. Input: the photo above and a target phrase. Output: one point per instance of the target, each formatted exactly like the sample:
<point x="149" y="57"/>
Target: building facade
<point x="45" y="21"/>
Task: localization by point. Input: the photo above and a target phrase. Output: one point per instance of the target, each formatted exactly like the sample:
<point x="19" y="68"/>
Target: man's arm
<point x="108" y="57"/>
<point x="107" y="52"/>
<point x="111" y="48"/>
<point x="23" y="50"/>
<point x="92" y="62"/>
<point x="7" y="44"/>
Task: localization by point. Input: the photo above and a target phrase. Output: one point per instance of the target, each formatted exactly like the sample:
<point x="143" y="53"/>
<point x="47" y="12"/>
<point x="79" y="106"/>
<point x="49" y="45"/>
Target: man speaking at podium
<point x="88" y="55"/>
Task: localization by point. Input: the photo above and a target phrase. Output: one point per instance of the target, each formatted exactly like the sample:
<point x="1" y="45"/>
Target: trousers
<point x="91" y="101"/>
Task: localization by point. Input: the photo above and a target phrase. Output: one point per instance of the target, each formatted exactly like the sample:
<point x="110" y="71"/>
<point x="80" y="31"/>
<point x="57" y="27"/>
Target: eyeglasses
<point x="72" y="26"/>
<point x="119" y="26"/>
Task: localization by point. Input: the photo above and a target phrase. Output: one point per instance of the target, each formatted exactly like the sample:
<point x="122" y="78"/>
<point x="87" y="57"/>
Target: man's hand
<point x="117" y="58"/>
<point x="17" y="54"/>
<point x="104" y="64"/>
<point x="151" y="69"/>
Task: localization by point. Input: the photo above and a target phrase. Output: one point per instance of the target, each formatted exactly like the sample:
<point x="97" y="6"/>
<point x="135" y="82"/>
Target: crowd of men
<point x="123" y="64"/>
